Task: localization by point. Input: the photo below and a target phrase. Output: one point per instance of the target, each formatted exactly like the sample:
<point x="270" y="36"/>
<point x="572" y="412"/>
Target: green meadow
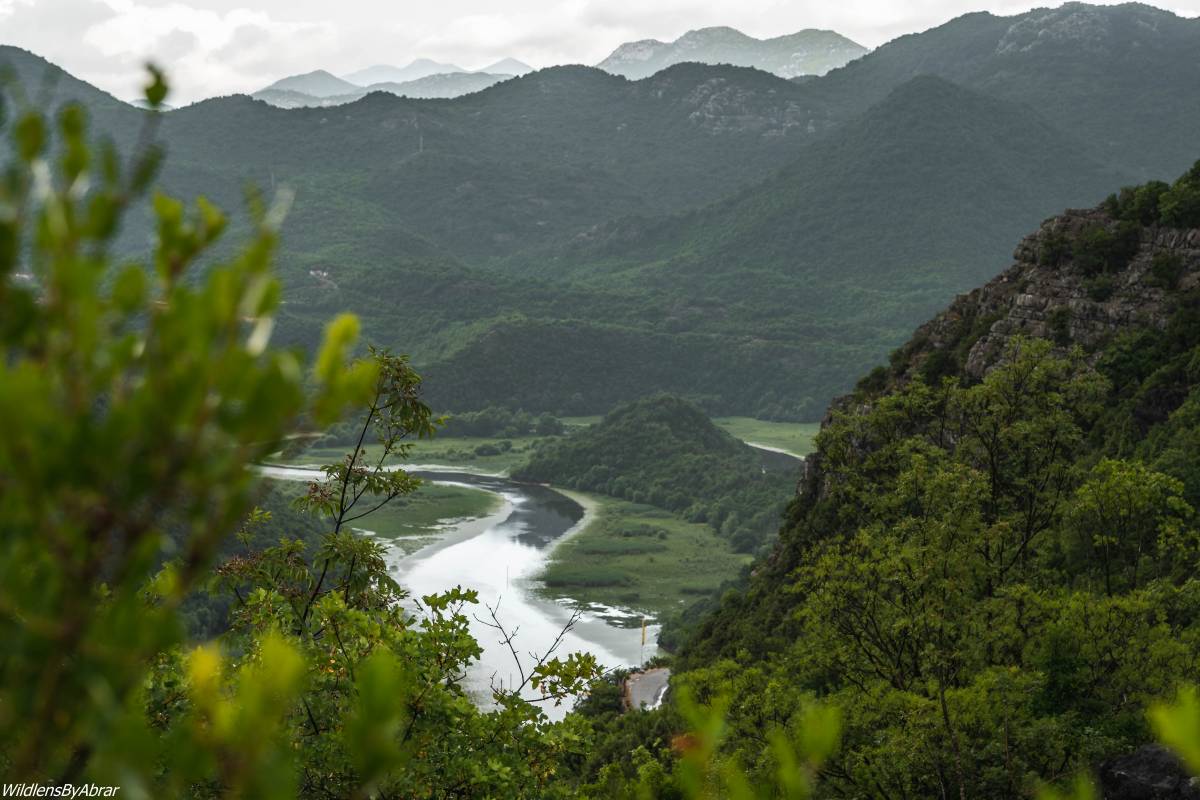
<point x="794" y="437"/>
<point x="640" y="557"/>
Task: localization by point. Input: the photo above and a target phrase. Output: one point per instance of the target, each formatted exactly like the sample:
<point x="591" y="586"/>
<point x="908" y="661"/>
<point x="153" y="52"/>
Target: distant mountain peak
<point x="508" y="66"/>
<point x="807" y="52"/>
<point x="415" y="70"/>
<point x="317" y="83"/>
<point x="1081" y="25"/>
<point x="713" y="32"/>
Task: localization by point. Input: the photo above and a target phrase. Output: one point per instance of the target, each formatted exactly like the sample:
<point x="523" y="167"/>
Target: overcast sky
<point x="214" y="47"/>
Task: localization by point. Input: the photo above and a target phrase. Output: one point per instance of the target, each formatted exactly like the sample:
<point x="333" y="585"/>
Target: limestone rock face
<point x="1037" y="297"/>
<point x="1149" y="773"/>
<point x="1047" y="293"/>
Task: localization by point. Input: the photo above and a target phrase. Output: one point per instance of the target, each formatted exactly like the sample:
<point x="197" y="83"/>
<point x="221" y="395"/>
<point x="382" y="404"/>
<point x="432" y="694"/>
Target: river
<point x="500" y="556"/>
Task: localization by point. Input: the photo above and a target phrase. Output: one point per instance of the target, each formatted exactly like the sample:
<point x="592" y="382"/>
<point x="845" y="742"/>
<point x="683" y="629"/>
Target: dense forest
<point x="663" y="451"/>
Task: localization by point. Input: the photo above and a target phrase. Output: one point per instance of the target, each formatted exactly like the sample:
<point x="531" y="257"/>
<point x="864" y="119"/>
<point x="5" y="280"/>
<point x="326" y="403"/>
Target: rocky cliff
<point x="999" y="507"/>
<point x="1049" y="294"/>
<point x="1085" y="278"/>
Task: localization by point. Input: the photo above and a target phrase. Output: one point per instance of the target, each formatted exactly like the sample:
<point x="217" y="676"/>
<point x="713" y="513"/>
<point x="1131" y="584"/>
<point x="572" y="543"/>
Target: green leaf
<point x="29" y="136"/>
<point x="156" y="90"/>
<point x="1177" y="725"/>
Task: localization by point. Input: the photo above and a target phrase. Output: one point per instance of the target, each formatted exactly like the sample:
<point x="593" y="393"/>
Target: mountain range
<point x="423" y="78"/>
<point x="570" y="239"/>
<point x="442" y="84"/>
<point x="808" y="52"/>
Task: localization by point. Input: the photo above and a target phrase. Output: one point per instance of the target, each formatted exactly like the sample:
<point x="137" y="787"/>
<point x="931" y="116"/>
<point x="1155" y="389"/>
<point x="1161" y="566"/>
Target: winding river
<point x="500" y="556"/>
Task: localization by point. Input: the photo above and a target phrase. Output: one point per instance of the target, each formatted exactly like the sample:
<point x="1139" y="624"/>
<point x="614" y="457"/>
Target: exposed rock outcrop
<point x="1149" y="773"/>
<point x="1052" y="291"/>
<point x="1053" y="298"/>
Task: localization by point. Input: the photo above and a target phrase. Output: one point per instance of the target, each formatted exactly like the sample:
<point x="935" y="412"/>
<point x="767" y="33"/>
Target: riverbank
<point x="500" y="557"/>
<point x="423" y="518"/>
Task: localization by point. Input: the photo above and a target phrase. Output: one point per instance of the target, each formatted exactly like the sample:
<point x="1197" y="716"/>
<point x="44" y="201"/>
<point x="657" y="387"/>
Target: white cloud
<point x="213" y="47"/>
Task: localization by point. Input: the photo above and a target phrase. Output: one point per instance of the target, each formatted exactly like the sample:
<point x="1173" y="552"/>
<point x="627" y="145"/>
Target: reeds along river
<point x="500" y="556"/>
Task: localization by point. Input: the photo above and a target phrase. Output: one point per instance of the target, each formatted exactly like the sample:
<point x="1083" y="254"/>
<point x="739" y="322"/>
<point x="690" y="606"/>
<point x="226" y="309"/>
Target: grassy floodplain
<point x="795" y="438"/>
<point x="412" y="522"/>
<point x="630" y="555"/>
<point x="476" y="453"/>
<point x="639" y="557"/>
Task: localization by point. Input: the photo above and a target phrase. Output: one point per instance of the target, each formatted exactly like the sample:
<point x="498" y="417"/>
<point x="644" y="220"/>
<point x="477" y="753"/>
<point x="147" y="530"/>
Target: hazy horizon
<point x="218" y="47"/>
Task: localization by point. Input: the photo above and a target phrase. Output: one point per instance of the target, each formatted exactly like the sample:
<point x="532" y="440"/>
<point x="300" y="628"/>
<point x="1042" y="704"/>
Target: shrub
<point x="1139" y="204"/>
<point x="1100" y="288"/>
<point x="1180" y="207"/>
<point x="1059" y="322"/>
<point x="940" y="363"/>
<point x="1099" y="249"/>
<point x="1165" y="270"/>
<point x="875" y="380"/>
<point x="1055" y="249"/>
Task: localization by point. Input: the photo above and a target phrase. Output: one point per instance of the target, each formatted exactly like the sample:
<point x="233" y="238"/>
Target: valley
<point x="716" y="253"/>
<point x="648" y="560"/>
<point x="747" y="416"/>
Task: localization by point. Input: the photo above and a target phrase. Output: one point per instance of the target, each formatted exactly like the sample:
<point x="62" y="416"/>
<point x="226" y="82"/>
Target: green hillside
<point x="665" y="452"/>
<point x="572" y="239"/>
<point x="990" y="567"/>
<point x="942" y="178"/>
<point x="1121" y="79"/>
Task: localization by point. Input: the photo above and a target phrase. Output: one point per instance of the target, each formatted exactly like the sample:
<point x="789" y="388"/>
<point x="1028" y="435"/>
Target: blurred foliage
<point x="136" y="397"/>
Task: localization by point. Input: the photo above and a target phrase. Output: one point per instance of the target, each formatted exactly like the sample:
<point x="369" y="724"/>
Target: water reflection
<point x="500" y="557"/>
<point x="540" y="515"/>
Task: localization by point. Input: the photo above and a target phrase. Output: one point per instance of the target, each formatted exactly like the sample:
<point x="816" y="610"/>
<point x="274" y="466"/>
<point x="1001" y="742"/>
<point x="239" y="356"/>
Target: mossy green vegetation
<point x="641" y="557"/>
<point x="665" y="452"/>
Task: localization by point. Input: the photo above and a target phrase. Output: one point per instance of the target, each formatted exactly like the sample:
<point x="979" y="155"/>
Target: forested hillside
<point x="665" y="452"/>
<point x="990" y="566"/>
<point x="787" y="234"/>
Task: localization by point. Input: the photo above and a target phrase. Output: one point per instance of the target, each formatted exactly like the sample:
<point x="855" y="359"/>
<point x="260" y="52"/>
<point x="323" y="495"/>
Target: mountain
<point x="985" y="517"/>
<point x="742" y="240"/>
<point x="508" y="66"/>
<point x="809" y="52"/>
<point x="942" y="177"/>
<point x="315" y="84"/>
<point x="1055" y="61"/>
<point x="288" y="98"/>
<point x="382" y="73"/>
<point x="441" y="85"/>
<point x="497" y="171"/>
<point x="447" y="84"/>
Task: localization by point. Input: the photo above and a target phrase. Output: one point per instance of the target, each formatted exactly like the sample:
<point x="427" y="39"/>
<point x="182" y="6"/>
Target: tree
<point x="1132" y="521"/>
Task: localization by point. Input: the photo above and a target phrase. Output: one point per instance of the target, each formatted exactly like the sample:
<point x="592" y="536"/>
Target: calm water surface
<point x="500" y="557"/>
